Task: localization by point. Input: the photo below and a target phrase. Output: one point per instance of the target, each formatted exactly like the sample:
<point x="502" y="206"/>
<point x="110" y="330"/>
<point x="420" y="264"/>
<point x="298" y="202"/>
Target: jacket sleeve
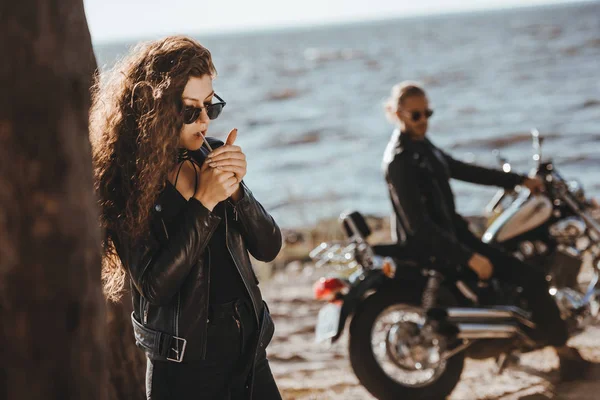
<point x="481" y="175"/>
<point x="159" y="266"/>
<point x="406" y="198"/>
<point x="258" y="228"/>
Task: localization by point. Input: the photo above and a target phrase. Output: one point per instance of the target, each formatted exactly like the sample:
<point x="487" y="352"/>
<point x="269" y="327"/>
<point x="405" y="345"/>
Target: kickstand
<point x="505" y="360"/>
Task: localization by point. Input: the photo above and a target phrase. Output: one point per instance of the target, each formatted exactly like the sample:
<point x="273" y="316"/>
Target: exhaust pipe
<point x="485" y="323"/>
<point x="488" y="331"/>
<point x="486" y="316"/>
<point x="492" y="331"/>
<point x="473" y="324"/>
<point x="471" y="333"/>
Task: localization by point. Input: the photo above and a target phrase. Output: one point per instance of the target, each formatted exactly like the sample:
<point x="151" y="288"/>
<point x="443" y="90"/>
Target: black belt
<point x="159" y="345"/>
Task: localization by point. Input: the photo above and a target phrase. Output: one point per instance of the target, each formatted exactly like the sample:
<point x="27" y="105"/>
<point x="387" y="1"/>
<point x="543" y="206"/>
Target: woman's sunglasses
<point x="191" y="113"/>
<point x="416" y="115"/>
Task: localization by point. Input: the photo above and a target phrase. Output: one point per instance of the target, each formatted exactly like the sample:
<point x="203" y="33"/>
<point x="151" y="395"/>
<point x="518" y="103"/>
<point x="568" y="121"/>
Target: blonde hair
<point x="399" y="93"/>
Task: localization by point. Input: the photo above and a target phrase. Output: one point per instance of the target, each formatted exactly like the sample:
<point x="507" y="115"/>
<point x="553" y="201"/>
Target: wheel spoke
<point x="396" y="344"/>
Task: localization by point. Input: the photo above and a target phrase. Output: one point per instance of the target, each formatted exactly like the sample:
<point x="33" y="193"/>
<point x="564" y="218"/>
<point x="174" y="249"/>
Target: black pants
<point x="551" y="328"/>
<point x="223" y="374"/>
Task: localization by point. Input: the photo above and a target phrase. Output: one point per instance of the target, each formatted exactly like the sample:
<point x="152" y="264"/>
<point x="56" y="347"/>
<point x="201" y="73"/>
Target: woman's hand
<point x="215" y="186"/>
<point x="229" y="157"/>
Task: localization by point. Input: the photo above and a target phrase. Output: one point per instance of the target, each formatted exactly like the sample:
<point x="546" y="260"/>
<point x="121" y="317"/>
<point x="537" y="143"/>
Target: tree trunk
<point x="52" y="312"/>
<point x="126" y="363"/>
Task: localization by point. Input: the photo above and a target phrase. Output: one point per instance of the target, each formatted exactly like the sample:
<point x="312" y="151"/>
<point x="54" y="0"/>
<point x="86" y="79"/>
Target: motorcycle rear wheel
<point x="370" y="371"/>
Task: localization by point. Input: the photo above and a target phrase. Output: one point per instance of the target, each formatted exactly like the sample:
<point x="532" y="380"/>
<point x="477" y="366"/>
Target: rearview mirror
<point x="537" y="141"/>
<point x="355" y="222"/>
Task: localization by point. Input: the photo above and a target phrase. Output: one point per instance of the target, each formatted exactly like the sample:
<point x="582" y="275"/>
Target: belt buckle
<point x="179" y="353"/>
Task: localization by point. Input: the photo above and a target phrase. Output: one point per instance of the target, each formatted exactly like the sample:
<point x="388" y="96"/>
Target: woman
<point x="179" y="221"/>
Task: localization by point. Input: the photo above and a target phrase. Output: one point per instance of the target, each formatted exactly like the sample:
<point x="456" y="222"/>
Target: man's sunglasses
<point x="416" y="115"/>
<point x="191" y="113"/>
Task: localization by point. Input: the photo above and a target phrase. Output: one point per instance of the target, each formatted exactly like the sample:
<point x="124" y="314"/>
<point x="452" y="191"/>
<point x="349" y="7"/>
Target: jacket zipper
<point x="177" y="313"/>
<point x="204" y="346"/>
<point x="142" y="309"/>
<point x="146" y="306"/>
<point x="254" y="305"/>
<point x="237" y="318"/>
<point x="235" y="210"/>
<point x="165" y="228"/>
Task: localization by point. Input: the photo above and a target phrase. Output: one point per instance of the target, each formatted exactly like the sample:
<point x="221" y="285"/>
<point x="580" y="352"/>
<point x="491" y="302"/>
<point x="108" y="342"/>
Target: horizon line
<point x="287" y="26"/>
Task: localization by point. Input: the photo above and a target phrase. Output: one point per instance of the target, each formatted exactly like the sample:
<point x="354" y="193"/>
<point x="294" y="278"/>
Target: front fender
<point x="374" y="280"/>
<point x="371" y="280"/>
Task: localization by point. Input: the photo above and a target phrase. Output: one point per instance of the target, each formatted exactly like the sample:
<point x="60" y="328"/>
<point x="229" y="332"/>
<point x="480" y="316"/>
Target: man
<point x="418" y="175"/>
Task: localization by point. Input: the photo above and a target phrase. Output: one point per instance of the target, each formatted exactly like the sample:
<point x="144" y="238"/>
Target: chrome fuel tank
<point x="524" y="214"/>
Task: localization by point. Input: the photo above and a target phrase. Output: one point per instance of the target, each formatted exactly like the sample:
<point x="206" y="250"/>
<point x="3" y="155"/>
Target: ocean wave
<point x="544" y="31"/>
<point x="327" y="55"/>
<point x="373" y="64"/>
<point x="593" y="42"/>
<point x="580" y="159"/>
<point x="295" y="165"/>
<point x="469" y="110"/>
<point x="443" y="78"/>
<point x="306" y="138"/>
<point x="292" y="72"/>
<point x="500" y="141"/>
<point x="282" y="94"/>
<point x="571" y="50"/>
<point x="590" y="103"/>
<point x="577" y="48"/>
<point x="301" y="202"/>
<point x="252" y="122"/>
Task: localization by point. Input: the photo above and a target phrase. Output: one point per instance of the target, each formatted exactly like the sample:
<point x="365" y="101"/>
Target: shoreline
<point x="299" y="241"/>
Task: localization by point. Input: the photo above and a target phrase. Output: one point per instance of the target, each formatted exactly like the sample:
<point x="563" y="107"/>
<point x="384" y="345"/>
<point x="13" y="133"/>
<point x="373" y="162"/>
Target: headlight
<point x="387" y="265"/>
<point x="568" y="229"/>
<point x="389" y="268"/>
<point x="576" y="189"/>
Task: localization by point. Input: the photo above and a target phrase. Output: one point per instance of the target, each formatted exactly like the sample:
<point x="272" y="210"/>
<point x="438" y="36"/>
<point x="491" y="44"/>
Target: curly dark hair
<point x="135" y="121"/>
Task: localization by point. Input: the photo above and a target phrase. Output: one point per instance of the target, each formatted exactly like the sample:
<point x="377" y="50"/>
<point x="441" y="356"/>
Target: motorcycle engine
<point x="573" y="310"/>
<point x="568" y="300"/>
<point x="565" y="264"/>
<point x="561" y="263"/>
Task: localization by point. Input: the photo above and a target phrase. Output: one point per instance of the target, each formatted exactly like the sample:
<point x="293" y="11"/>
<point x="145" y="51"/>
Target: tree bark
<point x="52" y="312"/>
<point x="126" y="363"/>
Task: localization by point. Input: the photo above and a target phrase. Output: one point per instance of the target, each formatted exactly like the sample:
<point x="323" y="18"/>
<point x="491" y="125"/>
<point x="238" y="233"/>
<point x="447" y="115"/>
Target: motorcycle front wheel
<point x="389" y="356"/>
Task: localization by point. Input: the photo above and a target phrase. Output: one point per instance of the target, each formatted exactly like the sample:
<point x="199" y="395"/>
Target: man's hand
<point x="482" y="266"/>
<point x="535" y="185"/>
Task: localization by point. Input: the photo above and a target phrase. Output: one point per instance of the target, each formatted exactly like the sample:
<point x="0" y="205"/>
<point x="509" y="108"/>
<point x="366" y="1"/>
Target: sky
<point x="132" y="19"/>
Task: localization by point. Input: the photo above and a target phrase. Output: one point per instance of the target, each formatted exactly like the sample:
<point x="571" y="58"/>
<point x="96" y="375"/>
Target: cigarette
<point x="206" y="143"/>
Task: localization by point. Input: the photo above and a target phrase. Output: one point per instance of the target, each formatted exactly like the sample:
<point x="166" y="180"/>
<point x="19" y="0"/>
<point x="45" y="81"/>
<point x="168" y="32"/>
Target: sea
<point x="308" y="102"/>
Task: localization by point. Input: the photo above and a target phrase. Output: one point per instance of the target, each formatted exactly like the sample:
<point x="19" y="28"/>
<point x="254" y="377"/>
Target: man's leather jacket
<point x="418" y="177"/>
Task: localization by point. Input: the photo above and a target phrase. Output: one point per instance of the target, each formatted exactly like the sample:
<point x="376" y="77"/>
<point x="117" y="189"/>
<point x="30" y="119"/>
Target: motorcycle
<point x="412" y="325"/>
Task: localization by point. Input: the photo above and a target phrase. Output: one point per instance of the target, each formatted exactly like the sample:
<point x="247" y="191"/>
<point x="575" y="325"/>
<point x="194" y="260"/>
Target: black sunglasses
<point x="416" y="115"/>
<point x="191" y="113"/>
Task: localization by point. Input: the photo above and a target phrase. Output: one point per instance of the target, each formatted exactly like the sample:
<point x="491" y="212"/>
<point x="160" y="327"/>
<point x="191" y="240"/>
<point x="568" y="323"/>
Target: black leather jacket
<point x="418" y="177"/>
<point x="170" y="272"/>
